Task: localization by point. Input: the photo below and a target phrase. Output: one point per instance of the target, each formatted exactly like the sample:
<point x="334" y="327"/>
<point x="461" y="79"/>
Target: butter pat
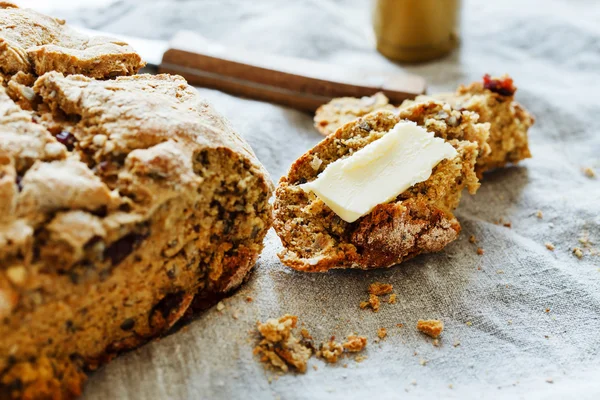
<point x="380" y="171"/>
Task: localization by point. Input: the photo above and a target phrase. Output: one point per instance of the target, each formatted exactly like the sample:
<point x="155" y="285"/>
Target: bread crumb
<point x="456" y="343"/>
<point x="305" y="334"/>
<point x="220" y="306"/>
<point x="589" y="172"/>
<point x="578" y="253"/>
<point x="547" y="310"/>
<point x="469" y="323"/>
<point x="400" y="325"/>
<point x="539" y="214"/>
<point x="330" y="351"/>
<point x="472" y="239"/>
<point x="480" y="251"/>
<point x="382" y="333"/>
<point x="392" y="299"/>
<point x="379" y="289"/>
<point x="432" y="327"/>
<point x="355" y="343"/>
<point x="585" y="239"/>
<point x="423" y="362"/>
<point x="235" y="314"/>
<point x="279" y="347"/>
<point x="315" y="367"/>
<point x="550" y="380"/>
<point x="360" y="358"/>
<point x="507" y="224"/>
<point x="345" y="365"/>
<point x="550" y="246"/>
<point x="373" y="303"/>
<point x="436" y="342"/>
<point x="249" y="299"/>
<point x="500" y="272"/>
<point x="450" y="386"/>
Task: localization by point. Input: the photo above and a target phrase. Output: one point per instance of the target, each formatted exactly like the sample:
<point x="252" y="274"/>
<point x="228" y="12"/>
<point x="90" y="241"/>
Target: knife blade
<point x="298" y="83"/>
<point x="150" y="50"/>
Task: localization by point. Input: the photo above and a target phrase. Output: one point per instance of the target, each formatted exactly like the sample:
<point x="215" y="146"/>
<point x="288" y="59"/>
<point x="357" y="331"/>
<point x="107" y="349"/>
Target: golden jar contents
<point x="416" y="30"/>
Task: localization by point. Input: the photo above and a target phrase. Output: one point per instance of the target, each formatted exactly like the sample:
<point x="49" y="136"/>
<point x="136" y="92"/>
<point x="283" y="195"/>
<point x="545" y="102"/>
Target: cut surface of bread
<point x="491" y="98"/>
<point x="121" y="203"/>
<point x="419" y="220"/>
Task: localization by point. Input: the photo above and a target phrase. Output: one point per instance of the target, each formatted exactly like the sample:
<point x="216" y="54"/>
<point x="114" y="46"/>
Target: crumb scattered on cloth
<point x="430" y="327"/>
<point x="551" y="53"/>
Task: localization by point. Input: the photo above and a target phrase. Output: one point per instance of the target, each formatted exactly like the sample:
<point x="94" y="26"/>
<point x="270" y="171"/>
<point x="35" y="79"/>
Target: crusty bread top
<point x="31" y="42"/>
<point x="128" y="146"/>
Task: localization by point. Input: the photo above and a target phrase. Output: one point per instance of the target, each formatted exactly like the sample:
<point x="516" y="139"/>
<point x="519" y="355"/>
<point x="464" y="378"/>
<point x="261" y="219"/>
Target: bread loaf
<point x="121" y="202"/>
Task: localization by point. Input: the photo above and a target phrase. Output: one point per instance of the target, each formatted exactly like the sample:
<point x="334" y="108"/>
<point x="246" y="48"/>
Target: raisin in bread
<point x="420" y="220"/>
<point x="492" y="99"/>
<point x="121" y="203"/>
<point x="33" y="44"/>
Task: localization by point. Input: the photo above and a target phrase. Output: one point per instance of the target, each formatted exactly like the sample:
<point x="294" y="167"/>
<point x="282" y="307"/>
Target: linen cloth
<point x="521" y="321"/>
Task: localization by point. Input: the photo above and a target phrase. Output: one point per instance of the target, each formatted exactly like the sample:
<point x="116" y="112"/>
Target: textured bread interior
<point x="181" y="221"/>
<point x="419" y="220"/>
<point x="509" y="123"/>
<point x="492" y="99"/>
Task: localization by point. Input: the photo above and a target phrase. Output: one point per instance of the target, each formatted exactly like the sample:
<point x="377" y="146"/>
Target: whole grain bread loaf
<point x="121" y="203"/>
<point x="420" y="220"/>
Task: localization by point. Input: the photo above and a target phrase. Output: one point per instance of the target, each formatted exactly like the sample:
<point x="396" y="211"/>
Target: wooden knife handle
<point x="297" y="83"/>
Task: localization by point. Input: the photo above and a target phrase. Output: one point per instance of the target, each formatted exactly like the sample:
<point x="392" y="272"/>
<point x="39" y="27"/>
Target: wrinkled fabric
<point x="521" y="321"/>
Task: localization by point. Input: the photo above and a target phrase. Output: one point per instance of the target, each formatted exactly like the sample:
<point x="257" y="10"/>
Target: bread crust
<point x="35" y="43"/>
<point x="123" y="202"/>
<point x="420" y="220"/>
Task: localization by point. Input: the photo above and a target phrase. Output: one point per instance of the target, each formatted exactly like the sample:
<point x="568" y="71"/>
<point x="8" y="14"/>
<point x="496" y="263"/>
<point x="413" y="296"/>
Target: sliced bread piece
<point x="419" y="220"/>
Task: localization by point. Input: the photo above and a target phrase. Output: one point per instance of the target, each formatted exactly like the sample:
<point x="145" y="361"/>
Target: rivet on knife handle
<point x="297" y="83"/>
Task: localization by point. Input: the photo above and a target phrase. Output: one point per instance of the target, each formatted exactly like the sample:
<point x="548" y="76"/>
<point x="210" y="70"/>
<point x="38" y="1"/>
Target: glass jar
<point x="416" y="30"/>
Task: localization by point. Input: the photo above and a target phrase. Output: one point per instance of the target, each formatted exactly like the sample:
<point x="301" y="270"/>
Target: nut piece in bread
<point x="420" y="220"/>
<point x="34" y="43"/>
<point x="122" y="204"/>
